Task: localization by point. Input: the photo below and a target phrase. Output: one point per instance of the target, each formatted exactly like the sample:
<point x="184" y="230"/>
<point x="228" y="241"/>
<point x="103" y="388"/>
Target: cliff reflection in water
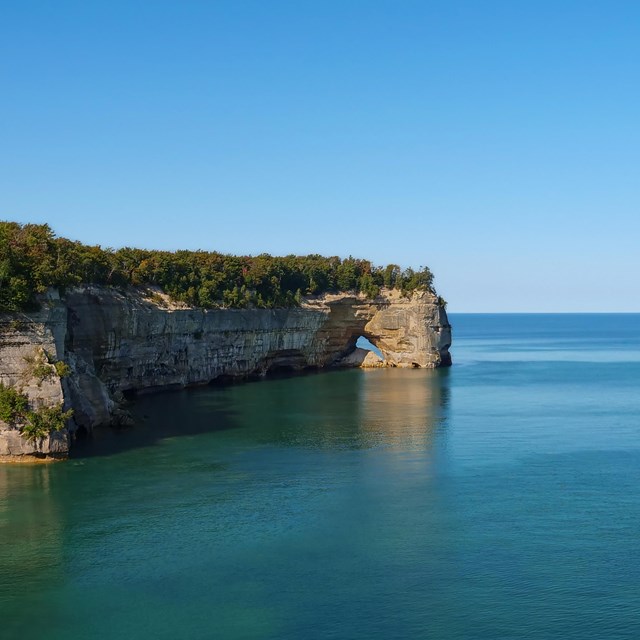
<point x="30" y="529"/>
<point x="337" y="410"/>
<point x="341" y="410"/>
<point x="403" y="407"/>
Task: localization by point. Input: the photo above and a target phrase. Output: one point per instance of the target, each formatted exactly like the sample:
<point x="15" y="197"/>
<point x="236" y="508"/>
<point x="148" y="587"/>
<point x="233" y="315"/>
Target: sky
<point x="496" y="142"/>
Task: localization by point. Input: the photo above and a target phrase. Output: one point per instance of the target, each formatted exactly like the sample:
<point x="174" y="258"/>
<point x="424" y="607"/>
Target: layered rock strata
<point x="121" y="342"/>
<point x="25" y="341"/>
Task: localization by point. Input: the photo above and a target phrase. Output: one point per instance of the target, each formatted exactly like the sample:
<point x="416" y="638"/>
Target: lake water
<point x="496" y="499"/>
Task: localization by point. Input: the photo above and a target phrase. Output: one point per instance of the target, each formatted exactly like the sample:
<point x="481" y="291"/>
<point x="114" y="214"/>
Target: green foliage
<point x="43" y="421"/>
<point x="38" y="423"/>
<point x="62" y="369"/>
<point x="42" y="371"/>
<point x="13" y="405"/>
<point x="391" y="275"/>
<point x="38" y="367"/>
<point x="32" y="259"/>
<point x="416" y="280"/>
<point x="368" y="286"/>
<point x="42" y="367"/>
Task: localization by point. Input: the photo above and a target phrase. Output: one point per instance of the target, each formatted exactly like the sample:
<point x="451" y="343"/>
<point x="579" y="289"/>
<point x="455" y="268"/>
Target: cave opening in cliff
<point x="287" y="361"/>
<point x="81" y="432"/>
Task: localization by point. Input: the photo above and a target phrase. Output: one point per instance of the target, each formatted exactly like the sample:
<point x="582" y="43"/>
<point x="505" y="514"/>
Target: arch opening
<point x="367" y="345"/>
<point x="361" y="352"/>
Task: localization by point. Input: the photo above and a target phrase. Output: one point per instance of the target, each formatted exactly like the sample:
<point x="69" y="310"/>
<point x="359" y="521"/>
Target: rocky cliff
<point x="117" y="343"/>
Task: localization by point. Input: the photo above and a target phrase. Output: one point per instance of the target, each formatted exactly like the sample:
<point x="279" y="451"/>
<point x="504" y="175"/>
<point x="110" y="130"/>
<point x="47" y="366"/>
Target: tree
<point x="33" y="259"/>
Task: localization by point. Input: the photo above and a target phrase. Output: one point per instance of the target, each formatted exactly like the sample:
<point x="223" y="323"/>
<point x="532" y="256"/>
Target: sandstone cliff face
<point x="24" y="341"/>
<point x="117" y="343"/>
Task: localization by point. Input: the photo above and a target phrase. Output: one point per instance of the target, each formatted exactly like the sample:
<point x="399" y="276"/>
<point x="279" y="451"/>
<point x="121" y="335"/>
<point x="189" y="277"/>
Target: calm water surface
<point x="497" y="499"/>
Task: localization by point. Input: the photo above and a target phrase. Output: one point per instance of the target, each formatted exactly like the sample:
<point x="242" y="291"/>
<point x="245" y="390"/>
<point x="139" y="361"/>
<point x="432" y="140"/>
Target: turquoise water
<point x="497" y="499"/>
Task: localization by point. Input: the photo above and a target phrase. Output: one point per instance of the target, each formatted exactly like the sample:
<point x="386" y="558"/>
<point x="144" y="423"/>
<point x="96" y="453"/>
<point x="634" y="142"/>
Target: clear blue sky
<point x="497" y="142"/>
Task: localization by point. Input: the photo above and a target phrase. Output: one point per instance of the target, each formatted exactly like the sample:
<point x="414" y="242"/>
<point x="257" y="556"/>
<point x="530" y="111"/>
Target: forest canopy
<point x="33" y="258"/>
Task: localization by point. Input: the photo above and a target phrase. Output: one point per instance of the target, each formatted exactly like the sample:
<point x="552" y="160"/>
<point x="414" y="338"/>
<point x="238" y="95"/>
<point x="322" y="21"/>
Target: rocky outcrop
<point x="26" y="341"/>
<point x="118" y="343"/>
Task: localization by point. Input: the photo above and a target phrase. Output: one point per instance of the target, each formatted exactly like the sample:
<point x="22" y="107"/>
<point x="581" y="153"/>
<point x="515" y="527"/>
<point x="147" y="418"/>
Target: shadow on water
<point x="179" y="412"/>
<point x="245" y="493"/>
<point x="156" y="417"/>
<point x="339" y="409"/>
<point x="376" y="504"/>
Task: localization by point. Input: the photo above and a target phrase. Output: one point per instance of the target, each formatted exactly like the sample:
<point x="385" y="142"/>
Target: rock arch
<point x="118" y="343"/>
<point x="410" y="331"/>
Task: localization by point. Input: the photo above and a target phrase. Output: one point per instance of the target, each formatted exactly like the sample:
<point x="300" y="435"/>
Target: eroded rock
<point x="26" y="341"/>
<point x="117" y="342"/>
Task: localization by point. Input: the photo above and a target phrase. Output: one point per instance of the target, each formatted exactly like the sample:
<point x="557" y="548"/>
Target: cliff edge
<point x="112" y="343"/>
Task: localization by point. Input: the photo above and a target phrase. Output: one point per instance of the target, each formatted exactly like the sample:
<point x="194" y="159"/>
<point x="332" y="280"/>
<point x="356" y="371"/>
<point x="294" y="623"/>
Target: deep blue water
<point x="497" y="499"/>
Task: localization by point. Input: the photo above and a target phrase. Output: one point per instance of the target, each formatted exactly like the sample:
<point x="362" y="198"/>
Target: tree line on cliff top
<point x="33" y="258"/>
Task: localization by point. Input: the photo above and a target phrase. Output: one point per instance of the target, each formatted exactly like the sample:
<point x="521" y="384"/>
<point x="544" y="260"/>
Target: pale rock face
<point x="362" y="358"/>
<point x="117" y="343"/>
<point x="24" y="338"/>
<point x="372" y="361"/>
<point x="411" y="332"/>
